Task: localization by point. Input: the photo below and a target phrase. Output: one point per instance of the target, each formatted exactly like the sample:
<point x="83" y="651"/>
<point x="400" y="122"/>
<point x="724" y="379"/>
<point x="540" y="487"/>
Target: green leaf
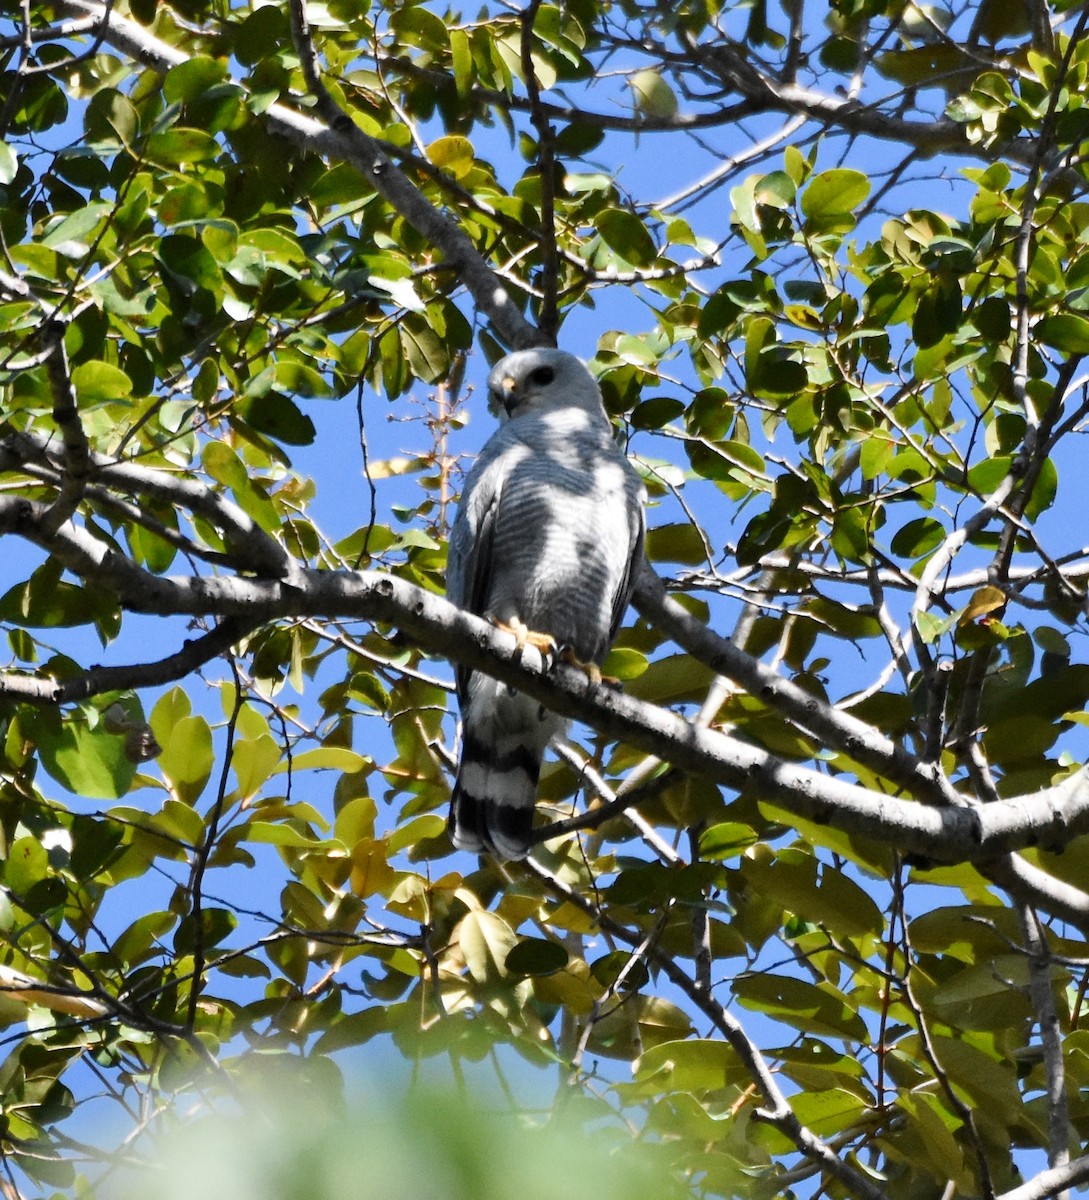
<point x="728" y="839"/>
<point x="89" y="762"/>
<point x="652" y="95"/>
<point x="987" y="996"/>
<point x="986" y="476"/>
<point x="224" y="465"/>
<point x="624" y="663"/>
<point x="672" y="679"/>
<point x="535" y="956"/>
<point x="9" y="164"/>
<point x="275" y="833"/>
<point x="830" y="1112"/>
<point x="278" y="417"/>
<point x="149" y="549"/>
<point x="99" y="382"/>
<point x="27" y="863"/>
<point x="174" y="147"/>
<point x="1067" y="332"/>
<point x="47" y="602"/>
<point x="657" y="412"/>
<point x="333" y="758"/>
<point x="355" y="821"/>
<point x="462" y="59"/>
<point x="420" y="27"/>
<point x="288" y="375"/>
<point x="938" y="312"/>
<point x="253" y="762"/>
<point x="691" y="1065"/>
<point x="187" y="757"/>
<point x="485" y="941"/>
<point x="215" y="924"/>
<point x="190" y="80"/>
<point x="76" y="226"/>
<point x="1044" y="491"/>
<point x="354" y="1029"/>
<point x="452" y="153"/>
<point x="676" y="543"/>
<point x="922" y="64"/>
<point x="627" y="236"/>
<point x="816" y="893"/>
<point x="812" y="1008"/>
<point x="918" y="537"/>
<point x="420" y="829"/>
<point x="834" y="193"/>
<point x="111" y="116"/>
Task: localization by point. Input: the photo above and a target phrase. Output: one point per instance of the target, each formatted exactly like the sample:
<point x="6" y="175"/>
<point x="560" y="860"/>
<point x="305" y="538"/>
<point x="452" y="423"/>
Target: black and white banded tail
<point x="504" y="736"/>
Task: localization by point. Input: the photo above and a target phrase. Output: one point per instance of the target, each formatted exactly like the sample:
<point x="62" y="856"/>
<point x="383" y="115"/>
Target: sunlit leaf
<point x="834" y="192"/>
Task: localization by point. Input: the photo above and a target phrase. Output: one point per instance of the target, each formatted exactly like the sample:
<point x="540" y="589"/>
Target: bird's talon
<point x="543" y="643"/>
<point x="591" y="670"/>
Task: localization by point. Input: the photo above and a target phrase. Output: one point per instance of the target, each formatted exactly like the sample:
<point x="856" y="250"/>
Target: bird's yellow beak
<point x="506" y="391"/>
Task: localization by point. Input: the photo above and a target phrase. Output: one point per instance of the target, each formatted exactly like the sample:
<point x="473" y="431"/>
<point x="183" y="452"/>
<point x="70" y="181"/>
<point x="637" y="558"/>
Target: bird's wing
<point x="470" y="560"/>
<point x="637" y="527"/>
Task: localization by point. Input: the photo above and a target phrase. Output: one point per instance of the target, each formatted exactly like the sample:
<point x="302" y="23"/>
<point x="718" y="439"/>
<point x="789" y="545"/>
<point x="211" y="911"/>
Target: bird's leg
<point x="590" y="669"/>
<point x="543" y="643"/>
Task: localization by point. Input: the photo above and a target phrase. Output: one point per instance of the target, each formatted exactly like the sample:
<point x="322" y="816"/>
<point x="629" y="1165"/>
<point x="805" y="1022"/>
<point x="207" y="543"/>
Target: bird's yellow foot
<point x="543" y="643"/>
<point x="590" y="669"/>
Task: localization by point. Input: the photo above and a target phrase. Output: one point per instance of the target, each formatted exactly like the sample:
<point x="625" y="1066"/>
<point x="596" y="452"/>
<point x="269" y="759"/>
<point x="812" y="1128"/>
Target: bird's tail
<point x="503" y="740"/>
<point x="491" y="807"/>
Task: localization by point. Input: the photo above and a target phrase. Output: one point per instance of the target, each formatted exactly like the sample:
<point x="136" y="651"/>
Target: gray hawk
<point x="547" y="541"/>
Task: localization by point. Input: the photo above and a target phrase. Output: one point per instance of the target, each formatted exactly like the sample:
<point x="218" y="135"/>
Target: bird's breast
<point x="561" y="546"/>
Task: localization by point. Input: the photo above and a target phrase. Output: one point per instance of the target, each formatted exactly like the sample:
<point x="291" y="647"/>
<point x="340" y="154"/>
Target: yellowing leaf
<point x="187" y="757"/>
<point x="253" y="762"/>
<point x="452" y="153"/>
<point x="371" y="873"/>
<point x="652" y="95"/>
<point x="984" y="600"/>
<point x="335" y="758"/>
<point x="485" y="940"/>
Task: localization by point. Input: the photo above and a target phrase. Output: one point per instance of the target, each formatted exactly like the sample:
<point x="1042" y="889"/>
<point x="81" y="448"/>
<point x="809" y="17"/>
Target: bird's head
<point x="534" y="380"/>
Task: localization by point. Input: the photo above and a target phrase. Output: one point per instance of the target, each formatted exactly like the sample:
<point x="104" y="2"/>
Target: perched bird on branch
<point x="547" y="543"/>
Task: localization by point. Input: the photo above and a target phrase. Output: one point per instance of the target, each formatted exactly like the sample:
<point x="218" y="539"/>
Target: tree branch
<point x="253" y="548"/>
<point x="1051" y="1182"/>
<point x="777" y="1111"/>
<point x="1051" y="1039"/>
<point x="839" y="730"/>
<point x="96" y="680"/>
<point x="943" y="834"/>
<point x="337" y="137"/>
<point x="66" y="416"/>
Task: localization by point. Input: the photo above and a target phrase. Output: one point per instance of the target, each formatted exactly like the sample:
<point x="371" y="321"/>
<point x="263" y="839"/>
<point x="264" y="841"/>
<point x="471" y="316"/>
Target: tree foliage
<point x="807" y="910"/>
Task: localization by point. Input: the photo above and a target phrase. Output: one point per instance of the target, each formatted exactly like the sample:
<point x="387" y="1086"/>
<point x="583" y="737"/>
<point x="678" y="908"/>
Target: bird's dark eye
<point x="541" y="377"/>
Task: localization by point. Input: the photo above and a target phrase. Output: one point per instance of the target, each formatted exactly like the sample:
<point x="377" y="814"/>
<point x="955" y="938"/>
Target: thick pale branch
<point x="1051" y="1041"/>
<point x="1030" y="885"/>
<point x="253" y="549"/>
<point x="1051" y="1182"/>
<point x="943" y="834"/>
<point x="831" y="727"/>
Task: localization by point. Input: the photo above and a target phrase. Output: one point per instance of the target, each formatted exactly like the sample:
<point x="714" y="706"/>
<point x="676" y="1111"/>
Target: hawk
<point x="547" y="543"/>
